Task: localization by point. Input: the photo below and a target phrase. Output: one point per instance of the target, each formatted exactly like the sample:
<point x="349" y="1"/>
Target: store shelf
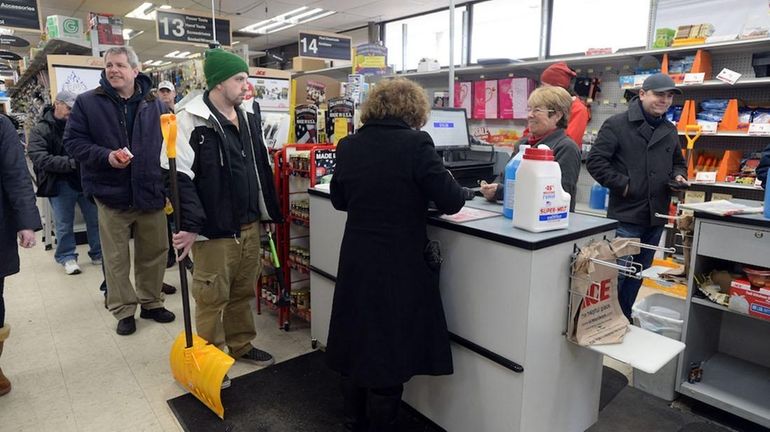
<point x="40" y="62"/>
<point x="305" y="222"/>
<point x="734" y="385"/>
<point x="733" y="47"/>
<point x="299" y="267"/>
<point x="337" y="72"/>
<point x="725" y="134"/>
<point x="709" y="303"/>
<point x="743" y="82"/>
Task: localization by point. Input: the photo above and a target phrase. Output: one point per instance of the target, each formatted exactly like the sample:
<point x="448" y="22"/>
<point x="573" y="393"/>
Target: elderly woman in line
<point x="387" y="321"/>
<point x="547" y="118"/>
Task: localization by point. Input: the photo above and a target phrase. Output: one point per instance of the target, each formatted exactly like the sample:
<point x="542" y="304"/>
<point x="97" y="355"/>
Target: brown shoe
<point x="5" y="385"/>
<point x="168" y="289"/>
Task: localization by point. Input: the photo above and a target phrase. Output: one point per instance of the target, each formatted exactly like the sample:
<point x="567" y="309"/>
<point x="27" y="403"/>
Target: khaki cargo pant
<point x="224" y="279"/>
<point x="150" y="249"/>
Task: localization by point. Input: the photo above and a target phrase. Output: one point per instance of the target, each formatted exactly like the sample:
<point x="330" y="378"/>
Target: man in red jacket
<point x="560" y="75"/>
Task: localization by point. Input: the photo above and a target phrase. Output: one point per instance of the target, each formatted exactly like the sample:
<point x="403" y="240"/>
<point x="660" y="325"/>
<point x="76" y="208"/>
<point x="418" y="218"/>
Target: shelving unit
<point x="730" y="347"/>
<point x="40" y="62"/>
<point x="293" y="176"/>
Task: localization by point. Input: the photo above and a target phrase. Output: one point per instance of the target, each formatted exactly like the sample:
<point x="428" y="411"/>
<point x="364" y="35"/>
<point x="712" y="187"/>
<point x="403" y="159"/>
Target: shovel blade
<point x="201" y="369"/>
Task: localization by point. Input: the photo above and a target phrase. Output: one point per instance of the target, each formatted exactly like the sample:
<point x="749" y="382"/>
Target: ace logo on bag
<point x="595" y="314"/>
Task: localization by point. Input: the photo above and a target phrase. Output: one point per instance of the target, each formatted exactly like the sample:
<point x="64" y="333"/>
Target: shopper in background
<point x="225" y="190"/>
<point x="637" y="157"/>
<point x="387" y="321"/>
<point x="560" y="75"/>
<point x="167" y="94"/>
<point x="764" y="165"/>
<point x="129" y="191"/>
<point x="20" y="218"/>
<point x="58" y="177"/>
<point x="548" y="114"/>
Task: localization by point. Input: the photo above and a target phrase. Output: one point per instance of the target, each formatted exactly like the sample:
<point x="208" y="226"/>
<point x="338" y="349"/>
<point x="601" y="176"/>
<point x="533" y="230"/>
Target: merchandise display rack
<point x="40" y="61"/>
<point x="294" y="165"/>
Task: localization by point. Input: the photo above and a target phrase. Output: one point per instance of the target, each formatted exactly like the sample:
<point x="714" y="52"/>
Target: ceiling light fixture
<point x="129" y="34"/>
<point x="146" y="11"/>
<point x="286" y="20"/>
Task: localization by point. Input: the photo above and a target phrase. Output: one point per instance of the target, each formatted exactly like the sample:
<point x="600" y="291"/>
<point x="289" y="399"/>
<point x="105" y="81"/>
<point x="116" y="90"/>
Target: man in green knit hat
<point x="226" y="191"/>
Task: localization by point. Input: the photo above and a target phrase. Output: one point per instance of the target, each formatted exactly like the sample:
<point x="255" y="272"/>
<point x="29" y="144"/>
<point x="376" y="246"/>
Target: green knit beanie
<point x="220" y="65"/>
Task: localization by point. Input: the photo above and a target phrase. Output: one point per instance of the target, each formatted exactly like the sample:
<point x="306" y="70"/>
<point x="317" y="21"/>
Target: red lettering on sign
<point x="597" y="293"/>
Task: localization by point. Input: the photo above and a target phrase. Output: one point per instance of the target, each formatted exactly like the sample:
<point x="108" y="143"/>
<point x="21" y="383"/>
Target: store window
<point x="427" y="36"/>
<point x="743" y="19"/>
<point x="580" y="25"/>
<point x="505" y="29"/>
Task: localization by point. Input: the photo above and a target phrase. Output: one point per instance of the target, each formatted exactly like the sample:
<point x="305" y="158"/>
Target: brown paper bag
<point x="595" y="314"/>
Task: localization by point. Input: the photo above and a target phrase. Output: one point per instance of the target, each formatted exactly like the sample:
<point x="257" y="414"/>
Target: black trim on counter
<point x="323" y="274"/>
<point x="567" y="236"/>
<point x="752" y="219"/>
<point x="497" y="358"/>
<point x="542" y="244"/>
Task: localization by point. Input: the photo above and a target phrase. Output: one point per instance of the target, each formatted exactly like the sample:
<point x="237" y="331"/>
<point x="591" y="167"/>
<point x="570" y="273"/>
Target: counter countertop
<point x="500" y="229"/>
<point x="756" y="219"/>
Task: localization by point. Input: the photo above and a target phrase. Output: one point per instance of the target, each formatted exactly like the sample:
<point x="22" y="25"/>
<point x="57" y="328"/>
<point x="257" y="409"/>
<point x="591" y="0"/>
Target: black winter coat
<point x="52" y="163"/>
<point x="764" y="165"/>
<point x="204" y="175"/>
<point x="98" y="125"/>
<point x="387" y="321"/>
<point x="628" y="151"/>
<point x="17" y="199"/>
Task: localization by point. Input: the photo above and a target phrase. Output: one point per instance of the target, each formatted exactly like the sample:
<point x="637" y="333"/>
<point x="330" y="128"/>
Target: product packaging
<point x="306" y="121"/>
<point x="339" y="108"/>
<point x="747" y="301"/>
<point x="463" y="96"/>
<point x="485" y="99"/>
<point x="513" y="94"/>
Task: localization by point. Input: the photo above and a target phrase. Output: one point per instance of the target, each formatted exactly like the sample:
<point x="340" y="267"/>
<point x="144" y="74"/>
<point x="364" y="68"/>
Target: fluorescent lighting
<point x="285" y="18"/>
<point x="166" y="63"/>
<point x="183" y="54"/>
<point x="145" y="11"/>
<point x="156" y="63"/>
<point x="147" y="63"/>
<point x="323" y="15"/>
<point x="192" y="56"/>
<point x="164" y="7"/>
<point x="305" y="14"/>
<point x="281" y="28"/>
<point x="129" y="34"/>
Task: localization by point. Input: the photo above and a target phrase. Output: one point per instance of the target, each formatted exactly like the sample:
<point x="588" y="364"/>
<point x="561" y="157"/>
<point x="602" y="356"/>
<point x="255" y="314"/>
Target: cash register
<point x="448" y="127"/>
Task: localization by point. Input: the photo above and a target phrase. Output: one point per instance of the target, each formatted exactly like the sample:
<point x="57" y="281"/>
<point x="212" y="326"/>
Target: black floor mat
<point x="298" y="395"/>
<point x="302" y="394"/>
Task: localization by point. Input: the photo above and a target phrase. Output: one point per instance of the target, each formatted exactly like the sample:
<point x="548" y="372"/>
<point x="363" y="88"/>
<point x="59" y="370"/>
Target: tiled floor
<point x="71" y="371"/>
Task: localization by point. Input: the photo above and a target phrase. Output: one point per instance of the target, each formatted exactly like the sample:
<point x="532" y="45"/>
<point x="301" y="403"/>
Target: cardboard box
<point x="307" y="64"/>
<point x="107" y="28"/>
<point x="64" y="27"/>
<point x="747" y="301"/>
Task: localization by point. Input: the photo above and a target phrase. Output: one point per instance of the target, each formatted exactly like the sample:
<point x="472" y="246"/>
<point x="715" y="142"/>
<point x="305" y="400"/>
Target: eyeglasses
<point x="539" y="110"/>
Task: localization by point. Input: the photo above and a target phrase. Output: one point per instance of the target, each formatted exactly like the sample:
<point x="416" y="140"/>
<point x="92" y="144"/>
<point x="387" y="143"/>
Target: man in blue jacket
<point x="114" y="132"/>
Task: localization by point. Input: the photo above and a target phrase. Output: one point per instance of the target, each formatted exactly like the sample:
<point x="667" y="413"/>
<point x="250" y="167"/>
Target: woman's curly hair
<point x="398" y="98"/>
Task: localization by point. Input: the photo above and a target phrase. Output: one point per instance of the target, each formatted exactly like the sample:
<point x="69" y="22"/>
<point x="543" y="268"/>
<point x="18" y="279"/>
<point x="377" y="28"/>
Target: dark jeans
<point x="63" y="206"/>
<point x="2" y="303"/>
<point x="628" y="287"/>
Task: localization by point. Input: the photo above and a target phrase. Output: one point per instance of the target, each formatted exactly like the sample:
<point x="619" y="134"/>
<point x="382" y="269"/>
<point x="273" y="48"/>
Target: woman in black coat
<point x="387" y="321"/>
<point x="19" y="215"/>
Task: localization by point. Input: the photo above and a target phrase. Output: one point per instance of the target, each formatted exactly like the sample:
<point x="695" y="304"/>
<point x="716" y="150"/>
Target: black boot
<point x="383" y="406"/>
<point x="355" y="405"/>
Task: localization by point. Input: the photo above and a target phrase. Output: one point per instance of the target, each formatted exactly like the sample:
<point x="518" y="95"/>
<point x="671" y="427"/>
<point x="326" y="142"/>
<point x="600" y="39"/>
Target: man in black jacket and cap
<point x="637" y="156"/>
<point x="58" y="178"/>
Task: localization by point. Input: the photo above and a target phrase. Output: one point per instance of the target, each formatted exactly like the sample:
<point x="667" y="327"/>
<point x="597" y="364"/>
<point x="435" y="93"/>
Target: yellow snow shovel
<point x="197" y="366"/>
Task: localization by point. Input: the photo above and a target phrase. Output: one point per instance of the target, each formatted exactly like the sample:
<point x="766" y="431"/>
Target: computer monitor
<point x="448" y="127"/>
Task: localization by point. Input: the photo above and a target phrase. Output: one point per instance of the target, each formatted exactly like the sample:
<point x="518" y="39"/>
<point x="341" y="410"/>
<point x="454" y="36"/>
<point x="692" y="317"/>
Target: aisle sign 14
<point x="324" y="46"/>
<point x="182" y="27"/>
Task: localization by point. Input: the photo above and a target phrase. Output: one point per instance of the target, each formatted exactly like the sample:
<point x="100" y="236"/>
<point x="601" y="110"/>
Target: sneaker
<point x="96" y="261"/>
<point x="161" y="315"/>
<point x="258" y="357"/>
<point x="71" y="267"/>
<point x="126" y="326"/>
<point x="226" y="382"/>
<point x="167" y="289"/>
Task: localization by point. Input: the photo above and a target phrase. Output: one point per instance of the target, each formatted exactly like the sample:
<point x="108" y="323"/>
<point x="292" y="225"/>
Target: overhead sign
<point x="8" y="55"/>
<point x="183" y="27"/>
<point x="371" y="59"/>
<point x="327" y="46"/>
<point x="13" y="41"/>
<point x="20" y="14"/>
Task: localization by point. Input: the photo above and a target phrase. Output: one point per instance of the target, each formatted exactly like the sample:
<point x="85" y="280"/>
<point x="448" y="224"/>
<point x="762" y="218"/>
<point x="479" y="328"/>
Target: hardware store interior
<point x="447" y="215"/>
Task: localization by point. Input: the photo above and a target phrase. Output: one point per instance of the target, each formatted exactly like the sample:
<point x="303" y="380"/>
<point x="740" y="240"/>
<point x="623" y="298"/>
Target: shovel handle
<point x="692" y="138"/>
<point x="168" y="128"/>
<point x="273" y="252"/>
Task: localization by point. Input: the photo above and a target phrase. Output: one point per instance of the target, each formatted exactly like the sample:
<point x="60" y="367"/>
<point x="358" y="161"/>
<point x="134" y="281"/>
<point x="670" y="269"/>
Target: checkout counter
<point x="505" y="293"/>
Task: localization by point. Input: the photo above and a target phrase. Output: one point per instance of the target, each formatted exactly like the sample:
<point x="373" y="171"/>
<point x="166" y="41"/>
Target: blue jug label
<point x="508" y="195"/>
<point x="552" y="217"/>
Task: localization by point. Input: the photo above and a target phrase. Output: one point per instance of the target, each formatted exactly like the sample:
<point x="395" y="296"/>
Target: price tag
<point x="694" y="78"/>
<point x="759" y="129"/>
<point x="728" y="76"/>
<point x="708" y="128"/>
<point x="706" y="177"/>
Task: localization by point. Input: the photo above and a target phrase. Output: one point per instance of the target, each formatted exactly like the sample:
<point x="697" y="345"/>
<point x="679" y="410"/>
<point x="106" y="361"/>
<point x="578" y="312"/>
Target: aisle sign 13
<point x="183" y="27"/>
<point x="327" y="46"/>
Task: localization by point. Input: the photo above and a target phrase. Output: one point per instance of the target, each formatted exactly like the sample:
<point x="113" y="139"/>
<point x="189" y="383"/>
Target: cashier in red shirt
<point x="560" y="75"/>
